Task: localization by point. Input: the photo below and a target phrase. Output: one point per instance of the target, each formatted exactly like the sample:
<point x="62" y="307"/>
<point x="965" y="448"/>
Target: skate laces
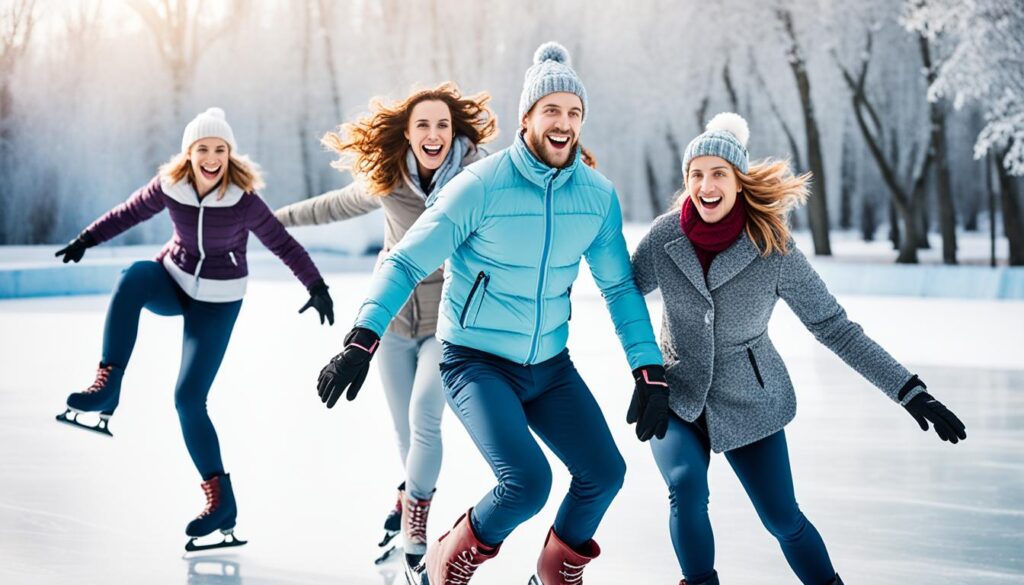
<point x="211" y="489"/>
<point x="102" y="373"/>
<point x="418" y="511"/>
<point x="571" y="574"/>
<point x="462" y="567"/>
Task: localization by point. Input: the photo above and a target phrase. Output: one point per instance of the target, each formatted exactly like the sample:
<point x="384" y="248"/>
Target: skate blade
<point x="389" y="554"/>
<point x="229" y="541"/>
<point x="416" y="575"/>
<point x="389" y="535"/>
<point x="70" y="417"/>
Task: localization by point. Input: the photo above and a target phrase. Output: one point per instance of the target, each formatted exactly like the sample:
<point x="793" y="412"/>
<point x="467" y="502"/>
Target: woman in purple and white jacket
<point x="200" y="274"/>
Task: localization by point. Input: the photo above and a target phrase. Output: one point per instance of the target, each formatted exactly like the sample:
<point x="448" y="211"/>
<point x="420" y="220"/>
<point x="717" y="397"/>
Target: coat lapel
<point x="731" y="261"/>
<point x="680" y="250"/>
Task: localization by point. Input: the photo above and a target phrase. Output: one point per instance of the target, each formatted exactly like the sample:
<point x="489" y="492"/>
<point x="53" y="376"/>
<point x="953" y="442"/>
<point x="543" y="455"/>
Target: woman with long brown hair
<point x="401" y="155"/>
<point x="722" y="259"/>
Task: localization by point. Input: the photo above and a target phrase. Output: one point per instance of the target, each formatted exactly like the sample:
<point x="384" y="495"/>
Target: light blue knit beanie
<point x="550" y="73"/>
<point x="726" y="137"/>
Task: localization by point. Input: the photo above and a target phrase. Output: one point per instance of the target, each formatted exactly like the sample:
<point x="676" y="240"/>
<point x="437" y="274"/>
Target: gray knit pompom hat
<point x="209" y="124"/>
<point x="551" y="72"/>
<point x="725" y="137"/>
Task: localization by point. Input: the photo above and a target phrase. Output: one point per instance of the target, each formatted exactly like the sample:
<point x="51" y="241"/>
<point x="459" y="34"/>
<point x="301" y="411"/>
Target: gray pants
<point x="412" y="384"/>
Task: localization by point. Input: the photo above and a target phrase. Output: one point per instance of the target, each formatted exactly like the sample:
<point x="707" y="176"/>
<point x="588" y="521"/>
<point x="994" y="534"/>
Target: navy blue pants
<point x="763" y="470"/>
<point x="500" y="402"/>
<point x="208" y="328"/>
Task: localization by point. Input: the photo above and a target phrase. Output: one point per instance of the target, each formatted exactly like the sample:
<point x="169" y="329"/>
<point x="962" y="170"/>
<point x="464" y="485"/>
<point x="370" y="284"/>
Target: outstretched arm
<point x="338" y="205"/>
<point x="142" y="205"/>
<point x="804" y="291"/>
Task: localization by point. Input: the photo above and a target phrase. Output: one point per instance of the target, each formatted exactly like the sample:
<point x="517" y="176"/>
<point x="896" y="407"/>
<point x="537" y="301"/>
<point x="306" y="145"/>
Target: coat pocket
<point x="479" y="289"/>
<point x="753" y="364"/>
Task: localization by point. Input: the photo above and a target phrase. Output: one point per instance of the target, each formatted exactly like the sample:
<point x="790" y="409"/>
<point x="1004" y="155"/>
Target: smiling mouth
<point x="709" y="202"/>
<point x="558" y="141"/>
<point x="433" y="150"/>
<point x="210" y="172"/>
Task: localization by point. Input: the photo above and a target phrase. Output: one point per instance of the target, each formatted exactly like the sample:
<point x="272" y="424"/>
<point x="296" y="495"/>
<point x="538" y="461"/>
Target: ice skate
<point x="454" y="558"/>
<point x="219" y="514"/>
<point x="559" y="564"/>
<point x="392" y="526"/>
<point x="414" y="533"/>
<point x="102" y="397"/>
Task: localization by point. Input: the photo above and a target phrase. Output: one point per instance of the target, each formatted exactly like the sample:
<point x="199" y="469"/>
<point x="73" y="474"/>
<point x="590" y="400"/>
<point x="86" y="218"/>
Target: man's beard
<point x="540" y="148"/>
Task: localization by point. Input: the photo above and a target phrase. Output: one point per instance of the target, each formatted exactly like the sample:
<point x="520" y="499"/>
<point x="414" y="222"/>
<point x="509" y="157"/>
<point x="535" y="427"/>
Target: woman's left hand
<point x="320" y="300"/>
<point x="925" y="408"/>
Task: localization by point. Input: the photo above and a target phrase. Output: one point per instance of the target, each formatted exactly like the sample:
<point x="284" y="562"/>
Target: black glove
<point x="925" y="408"/>
<point x="320" y="300"/>
<point x="348" y="369"/>
<point x="76" y="248"/>
<point x="649" y="407"/>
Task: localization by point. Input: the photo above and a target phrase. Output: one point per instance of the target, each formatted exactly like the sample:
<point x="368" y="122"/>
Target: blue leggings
<point x="763" y="469"/>
<point x="499" y="402"/>
<point x="207" y="331"/>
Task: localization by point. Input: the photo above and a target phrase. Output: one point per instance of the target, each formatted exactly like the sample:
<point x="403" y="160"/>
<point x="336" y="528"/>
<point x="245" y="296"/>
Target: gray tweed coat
<point x="714" y="334"/>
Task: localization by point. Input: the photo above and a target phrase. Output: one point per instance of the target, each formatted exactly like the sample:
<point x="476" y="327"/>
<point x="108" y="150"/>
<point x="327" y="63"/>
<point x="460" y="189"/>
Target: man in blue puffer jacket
<point x="513" y="228"/>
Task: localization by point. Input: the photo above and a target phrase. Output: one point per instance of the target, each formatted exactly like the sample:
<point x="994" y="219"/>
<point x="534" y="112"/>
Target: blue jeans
<point x="208" y="328"/>
<point x="499" y="402"/>
<point x="412" y="385"/>
<point x="763" y="470"/>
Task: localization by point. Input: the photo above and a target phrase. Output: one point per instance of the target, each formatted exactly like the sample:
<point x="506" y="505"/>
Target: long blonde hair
<point x="241" y="171"/>
<point x="374" y="146"/>
<point x="770" y="191"/>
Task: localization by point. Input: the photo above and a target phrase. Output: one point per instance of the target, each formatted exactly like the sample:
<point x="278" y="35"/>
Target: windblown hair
<point x="373" y="148"/>
<point x="770" y="191"/>
<point x="241" y="171"/>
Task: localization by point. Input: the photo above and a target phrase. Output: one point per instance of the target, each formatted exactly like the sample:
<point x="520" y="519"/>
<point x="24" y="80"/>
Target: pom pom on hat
<point x="733" y="124"/>
<point x="215" y="112"/>
<point x="552" y="51"/>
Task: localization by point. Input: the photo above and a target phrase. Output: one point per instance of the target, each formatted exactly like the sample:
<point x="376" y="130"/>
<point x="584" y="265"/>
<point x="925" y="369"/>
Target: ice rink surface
<point x="896" y="506"/>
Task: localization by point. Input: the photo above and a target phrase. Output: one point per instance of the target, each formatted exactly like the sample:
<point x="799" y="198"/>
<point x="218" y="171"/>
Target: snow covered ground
<point x="895" y="505"/>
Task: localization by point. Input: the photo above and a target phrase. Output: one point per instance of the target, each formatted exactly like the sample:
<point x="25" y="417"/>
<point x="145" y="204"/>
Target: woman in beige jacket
<point x="401" y="155"/>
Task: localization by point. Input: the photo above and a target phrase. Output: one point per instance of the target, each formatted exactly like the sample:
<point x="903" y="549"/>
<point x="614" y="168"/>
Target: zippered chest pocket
<point x="474" y="300"/>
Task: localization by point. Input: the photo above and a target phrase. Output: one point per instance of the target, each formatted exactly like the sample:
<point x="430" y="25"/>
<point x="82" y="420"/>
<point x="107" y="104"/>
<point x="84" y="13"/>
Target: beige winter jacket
<point x="402" y="207"/>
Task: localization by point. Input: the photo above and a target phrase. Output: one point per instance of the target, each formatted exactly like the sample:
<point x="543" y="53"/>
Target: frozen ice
<point x="895" y="505"/>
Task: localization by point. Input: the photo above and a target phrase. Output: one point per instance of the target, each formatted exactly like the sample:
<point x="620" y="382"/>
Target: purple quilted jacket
<point x="206" y="254"/>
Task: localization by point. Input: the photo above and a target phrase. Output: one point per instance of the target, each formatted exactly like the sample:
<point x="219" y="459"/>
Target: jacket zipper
<point x="542" y="279"/>
<point x="568" y="295"/>
<point x="480" y="277"/>
<point x="202" y="252"/>
<point x="753" y="364"/>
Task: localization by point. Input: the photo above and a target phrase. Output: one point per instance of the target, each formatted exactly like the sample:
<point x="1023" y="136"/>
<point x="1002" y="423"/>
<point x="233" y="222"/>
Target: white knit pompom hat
<point x="209" y="124"/>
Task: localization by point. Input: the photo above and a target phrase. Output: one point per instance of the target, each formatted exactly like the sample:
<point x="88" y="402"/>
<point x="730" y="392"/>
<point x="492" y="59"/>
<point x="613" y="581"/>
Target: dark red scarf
<point x="709" y="239"/>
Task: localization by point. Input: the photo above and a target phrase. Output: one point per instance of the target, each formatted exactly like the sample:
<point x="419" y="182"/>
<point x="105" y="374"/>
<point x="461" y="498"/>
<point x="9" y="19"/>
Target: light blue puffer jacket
<point x="513" y="230"/>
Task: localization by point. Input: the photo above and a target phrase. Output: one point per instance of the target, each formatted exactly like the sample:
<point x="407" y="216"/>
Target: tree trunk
<point x="1013" y="223"/>
<point x="652" y="186"/>
<point x="817" y="204"/>
<point x="991" y="188"/>
<point x="894" y="226"/>
<point x="937" y="144"/>
<point x="909" y="242"/>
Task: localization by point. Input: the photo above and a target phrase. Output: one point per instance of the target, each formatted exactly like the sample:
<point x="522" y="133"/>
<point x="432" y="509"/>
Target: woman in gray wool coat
<point x="722" y="260"/>
<point x="402" y="154"/>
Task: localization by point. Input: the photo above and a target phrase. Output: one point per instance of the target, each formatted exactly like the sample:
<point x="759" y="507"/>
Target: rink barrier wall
<point x="43" y="276"/>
